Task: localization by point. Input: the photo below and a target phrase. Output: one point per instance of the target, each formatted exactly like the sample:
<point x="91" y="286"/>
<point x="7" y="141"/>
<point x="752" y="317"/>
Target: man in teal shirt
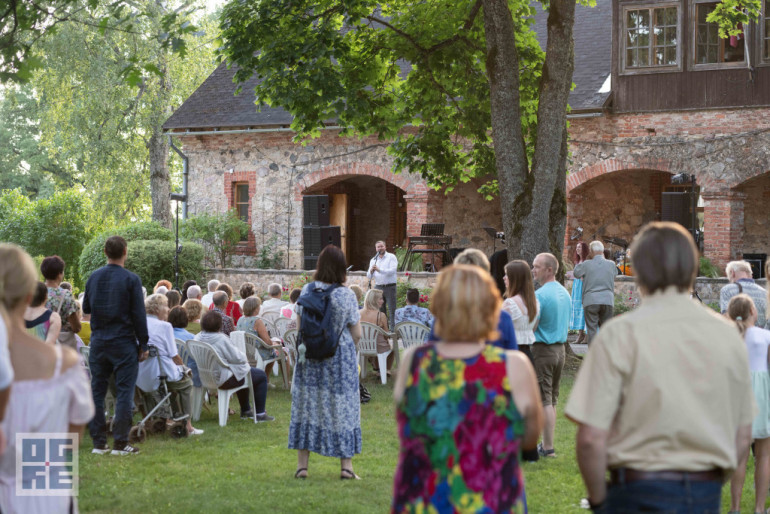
<point x="550" y="337"/>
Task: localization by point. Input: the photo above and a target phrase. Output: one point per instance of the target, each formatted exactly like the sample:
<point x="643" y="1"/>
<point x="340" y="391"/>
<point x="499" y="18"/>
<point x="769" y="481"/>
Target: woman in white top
<point x="742" y="310"/>
<point x="521" y="303"/>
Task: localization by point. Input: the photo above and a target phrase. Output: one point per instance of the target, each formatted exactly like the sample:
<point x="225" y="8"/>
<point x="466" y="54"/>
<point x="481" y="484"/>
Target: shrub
<point x="401" y="288"/>
<point x="59" y="225"/>
<point x="707" y="269"/>
<point x="153" y="260"/>
<point x="219" y="234"/>
<point x="269" y="256"/>
<point x="92" y="257"/>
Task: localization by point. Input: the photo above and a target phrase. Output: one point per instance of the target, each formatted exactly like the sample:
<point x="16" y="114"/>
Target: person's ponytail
<point x="739" y="310"/>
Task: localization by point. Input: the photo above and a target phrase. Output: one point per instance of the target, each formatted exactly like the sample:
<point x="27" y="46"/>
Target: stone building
<point x="644" y="109"/>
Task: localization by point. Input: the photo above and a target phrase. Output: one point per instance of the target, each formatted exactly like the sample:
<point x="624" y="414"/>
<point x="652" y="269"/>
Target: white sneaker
<point x="195" y="431"/>
<point x="125" y="450"/>
<point x="101" y="450"/>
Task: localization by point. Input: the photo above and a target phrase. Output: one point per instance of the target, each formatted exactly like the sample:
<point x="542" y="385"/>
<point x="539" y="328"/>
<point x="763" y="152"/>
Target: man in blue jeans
<point x="663" y="400"/>
<point x="115" y="301"/>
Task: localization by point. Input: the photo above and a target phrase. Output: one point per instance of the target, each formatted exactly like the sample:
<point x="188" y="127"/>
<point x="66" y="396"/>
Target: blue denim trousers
<point x="664" y="496"/>
<point x="122" y="359"/>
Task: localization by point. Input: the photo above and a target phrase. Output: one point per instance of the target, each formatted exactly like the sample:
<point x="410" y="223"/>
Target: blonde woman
<point x="50" y="392"/>
<point x="741" y="309"/>
<point x="371" y="313"/>
<point x="195" y="311"/>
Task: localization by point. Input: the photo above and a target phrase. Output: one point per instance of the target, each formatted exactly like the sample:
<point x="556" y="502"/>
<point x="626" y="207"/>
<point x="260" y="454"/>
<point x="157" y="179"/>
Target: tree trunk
<point x="545" y="220"/>
<point x="502" y="62"/>
<point x="160" y="184"/>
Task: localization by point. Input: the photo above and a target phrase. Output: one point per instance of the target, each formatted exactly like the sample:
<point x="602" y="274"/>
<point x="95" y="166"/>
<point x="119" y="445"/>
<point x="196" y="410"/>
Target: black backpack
<point x="316" y="338"/>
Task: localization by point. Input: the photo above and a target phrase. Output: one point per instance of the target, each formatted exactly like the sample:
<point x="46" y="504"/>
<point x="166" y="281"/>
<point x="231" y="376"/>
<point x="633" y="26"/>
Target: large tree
<point x="106" y="130"/>
<point x="468" y="75"/>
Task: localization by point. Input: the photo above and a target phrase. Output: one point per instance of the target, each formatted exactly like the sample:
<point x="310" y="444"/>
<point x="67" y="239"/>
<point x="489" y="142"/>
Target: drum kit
<point x="620" y="256"/>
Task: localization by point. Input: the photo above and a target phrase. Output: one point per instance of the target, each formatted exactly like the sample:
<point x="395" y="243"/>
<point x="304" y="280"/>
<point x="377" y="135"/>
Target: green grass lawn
<point x="246" y="467"/>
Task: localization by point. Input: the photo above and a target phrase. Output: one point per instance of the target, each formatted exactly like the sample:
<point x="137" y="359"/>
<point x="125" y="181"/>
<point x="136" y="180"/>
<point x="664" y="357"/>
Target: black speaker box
<point x="316" y="239"/>
<point x="315" y="209"/>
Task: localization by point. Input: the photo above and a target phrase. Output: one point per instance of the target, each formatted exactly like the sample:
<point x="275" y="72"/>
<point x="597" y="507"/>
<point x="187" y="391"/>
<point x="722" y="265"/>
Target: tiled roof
<point x="214" y="105"/>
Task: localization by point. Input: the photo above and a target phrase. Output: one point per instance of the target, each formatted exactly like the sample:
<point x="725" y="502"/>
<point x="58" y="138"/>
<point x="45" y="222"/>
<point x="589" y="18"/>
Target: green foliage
<point x="269" y="256"/>
<point x="92" y="257"/>
<point x="401" y="288"/>
<point x="707" y="269"/>
<point x="59" y="225"/>
<point x="153" y="260"/>
<point x="732" y="15"/>
<point x="415" y="261"/>
<point x="218" y="233"/>
<point x="356" y="77"/>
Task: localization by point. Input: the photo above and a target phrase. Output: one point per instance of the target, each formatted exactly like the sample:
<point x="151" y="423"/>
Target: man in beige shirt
<point x="663" y="400"/>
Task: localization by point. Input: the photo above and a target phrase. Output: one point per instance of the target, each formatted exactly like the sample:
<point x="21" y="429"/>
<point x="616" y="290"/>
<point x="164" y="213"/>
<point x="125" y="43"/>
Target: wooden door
<point x="338" y="216"/>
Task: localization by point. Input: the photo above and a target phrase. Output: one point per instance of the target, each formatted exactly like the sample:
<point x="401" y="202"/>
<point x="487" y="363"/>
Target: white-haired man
<point x="742" y="281"/>
<point x="598" y="276"/>
<point x="194" y="293"/>
<point x="274" y="303"/>
<point x="208" y="298"/>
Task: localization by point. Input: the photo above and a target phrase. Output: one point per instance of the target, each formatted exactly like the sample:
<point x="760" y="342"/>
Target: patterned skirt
<point x="577" y="319"/>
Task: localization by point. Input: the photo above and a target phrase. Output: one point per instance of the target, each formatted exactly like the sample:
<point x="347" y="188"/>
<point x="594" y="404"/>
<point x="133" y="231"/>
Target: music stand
<point x="493" y="234"/>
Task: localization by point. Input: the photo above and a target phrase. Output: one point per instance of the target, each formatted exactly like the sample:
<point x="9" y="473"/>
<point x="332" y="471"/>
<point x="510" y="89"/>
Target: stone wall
<point x="756" y="215"/>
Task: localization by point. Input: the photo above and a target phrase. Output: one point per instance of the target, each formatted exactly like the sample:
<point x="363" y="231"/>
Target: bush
<point x="219" y="234"/>
<point x="153" y="260"/>
<point x="707" y="269"/>
<point x="401" y="288"/>
<point x="59" y="225"/>
<point x="269" y="256"/>
<point x="92" y="257"/>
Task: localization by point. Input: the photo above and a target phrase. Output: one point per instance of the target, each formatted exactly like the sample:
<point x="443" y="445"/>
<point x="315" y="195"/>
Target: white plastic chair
<point x="253" y="342"/>
<point x="368" y="348"/>
<point x="412" y="333"/>
<point x="282" y="325"/>
<point x="270" y="326"/>
<point x="197" y="392"/>
<point x="85" y="351"/>
<point x="290" y="340"/>
<point x="270" y="316"/>
<point x="209" y="362"/>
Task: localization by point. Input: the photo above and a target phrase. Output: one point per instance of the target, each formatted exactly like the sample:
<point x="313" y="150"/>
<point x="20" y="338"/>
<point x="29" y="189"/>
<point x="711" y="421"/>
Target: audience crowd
<point x="670" y="400"/>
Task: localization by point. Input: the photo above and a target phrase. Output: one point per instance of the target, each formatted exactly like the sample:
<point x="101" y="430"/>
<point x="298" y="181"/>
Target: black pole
<point x="176" y="250"/>
<point x="693" y="207"/>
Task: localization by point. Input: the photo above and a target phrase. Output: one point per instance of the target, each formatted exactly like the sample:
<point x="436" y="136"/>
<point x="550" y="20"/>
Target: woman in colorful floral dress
<point x="465" y="409"/>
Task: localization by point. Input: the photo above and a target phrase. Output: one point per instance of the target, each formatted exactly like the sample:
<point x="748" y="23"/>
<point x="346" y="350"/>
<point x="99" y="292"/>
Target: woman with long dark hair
<point x="325" y="399"/>
<point x="577" y="319"/>
<point x="521" y="303"/>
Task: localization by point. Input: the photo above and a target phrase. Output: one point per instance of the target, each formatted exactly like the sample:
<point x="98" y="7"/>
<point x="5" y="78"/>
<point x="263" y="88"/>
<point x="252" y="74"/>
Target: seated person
<point x="252" y="324"/>
<point x="40" y="321"/>
<point x="195" y="310"/>
<point x="413" y="312"/>
<point x="274" y="303"/>
<point x="234" y="375"/>
<point x="359" y="293"/>
<point x="178" y="319"/>
<point x="247" y="290"/>
<point x="287" y="311"/>
<point x="233" y="309"/>
<point x="371" y="313"/>
<point x="162" y="337"/>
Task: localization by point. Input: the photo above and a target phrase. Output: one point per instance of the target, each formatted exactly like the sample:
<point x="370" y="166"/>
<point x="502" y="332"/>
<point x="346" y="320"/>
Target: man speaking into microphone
<point x="382" y="268"/>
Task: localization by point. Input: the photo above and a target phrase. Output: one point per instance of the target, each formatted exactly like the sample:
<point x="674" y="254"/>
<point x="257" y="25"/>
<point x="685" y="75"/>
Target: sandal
<point x="347" y="474"/>
<point x="300" y="470"/>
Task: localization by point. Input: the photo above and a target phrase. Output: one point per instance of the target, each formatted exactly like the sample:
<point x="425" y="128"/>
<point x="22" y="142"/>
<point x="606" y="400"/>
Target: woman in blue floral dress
<point x="465" y="409"/>
<point x="325" y="401"/>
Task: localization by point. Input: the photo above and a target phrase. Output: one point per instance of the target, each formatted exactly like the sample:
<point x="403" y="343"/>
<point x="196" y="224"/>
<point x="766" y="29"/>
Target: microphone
<point x="349" y="267"/>
<point x="372" y="274"/>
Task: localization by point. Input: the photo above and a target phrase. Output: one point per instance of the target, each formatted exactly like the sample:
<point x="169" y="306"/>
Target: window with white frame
<point x="650" y="37"/>
<point x="709" y="47"/>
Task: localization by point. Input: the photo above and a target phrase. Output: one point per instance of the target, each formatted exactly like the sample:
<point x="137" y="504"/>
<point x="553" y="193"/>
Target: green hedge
<point x="92" y="257"/>
<point x="154" y="261"/>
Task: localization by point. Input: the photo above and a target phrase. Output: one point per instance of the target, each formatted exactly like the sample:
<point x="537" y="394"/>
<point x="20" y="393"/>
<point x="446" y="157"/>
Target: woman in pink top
<point x="50" y="392"/>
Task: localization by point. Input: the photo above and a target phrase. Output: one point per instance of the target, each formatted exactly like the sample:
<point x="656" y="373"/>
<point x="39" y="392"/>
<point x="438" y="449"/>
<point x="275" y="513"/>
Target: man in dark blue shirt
<point x="115" y="301"/>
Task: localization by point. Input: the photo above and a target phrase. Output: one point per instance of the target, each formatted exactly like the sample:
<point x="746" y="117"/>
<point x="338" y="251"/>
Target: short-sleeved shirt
<point x="747" y="286"/>
<point x="415" y="314"/>
<point x="670" y="382"/>
<point x="555" y="308"/>
<point x="60" y="300"/>
<point x="505" y="329"/>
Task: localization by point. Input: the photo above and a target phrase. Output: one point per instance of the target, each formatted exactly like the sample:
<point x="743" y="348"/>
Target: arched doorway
<point x="367" y="209"/>
<point x="755" y="243"/>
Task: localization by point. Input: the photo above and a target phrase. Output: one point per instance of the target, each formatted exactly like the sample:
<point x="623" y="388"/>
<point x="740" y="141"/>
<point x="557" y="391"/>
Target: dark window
<point x="709" y="47"/>
<point x="766" y="32"/>
<point x="242" y="201"/>
<point x="651" y="37"/>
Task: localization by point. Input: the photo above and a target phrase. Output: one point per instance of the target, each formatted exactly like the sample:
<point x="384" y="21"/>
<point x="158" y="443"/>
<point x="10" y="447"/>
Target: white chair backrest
<point x="238" y="338"/>
<point x="85" y="351"/>
<point x="208" y="362"/>
<point x="290" y="339"/>
<point x="181" y="349"/>
<point x="281" y="326"/>
<point x="270" y="316"/>
<point x="411" y="333"/>
<point x="252" y="342"/>
<point x="368" y="343"/>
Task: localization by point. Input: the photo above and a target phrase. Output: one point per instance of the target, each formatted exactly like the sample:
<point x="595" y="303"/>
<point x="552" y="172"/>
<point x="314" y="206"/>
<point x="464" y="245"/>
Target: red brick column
<point x="723" y="226"/>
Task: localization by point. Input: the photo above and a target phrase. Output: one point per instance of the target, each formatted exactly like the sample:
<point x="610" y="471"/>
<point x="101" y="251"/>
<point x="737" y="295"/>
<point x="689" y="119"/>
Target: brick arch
<point x="357" y="169"/>
<point x="744" y="180"/>
<point x="608" y="166"/>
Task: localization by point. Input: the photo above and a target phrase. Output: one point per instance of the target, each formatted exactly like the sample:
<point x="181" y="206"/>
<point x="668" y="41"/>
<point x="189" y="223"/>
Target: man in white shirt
<point x="208" y="298"/>
<point x="382" y="268"/>
<point x="274" y="303"/>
